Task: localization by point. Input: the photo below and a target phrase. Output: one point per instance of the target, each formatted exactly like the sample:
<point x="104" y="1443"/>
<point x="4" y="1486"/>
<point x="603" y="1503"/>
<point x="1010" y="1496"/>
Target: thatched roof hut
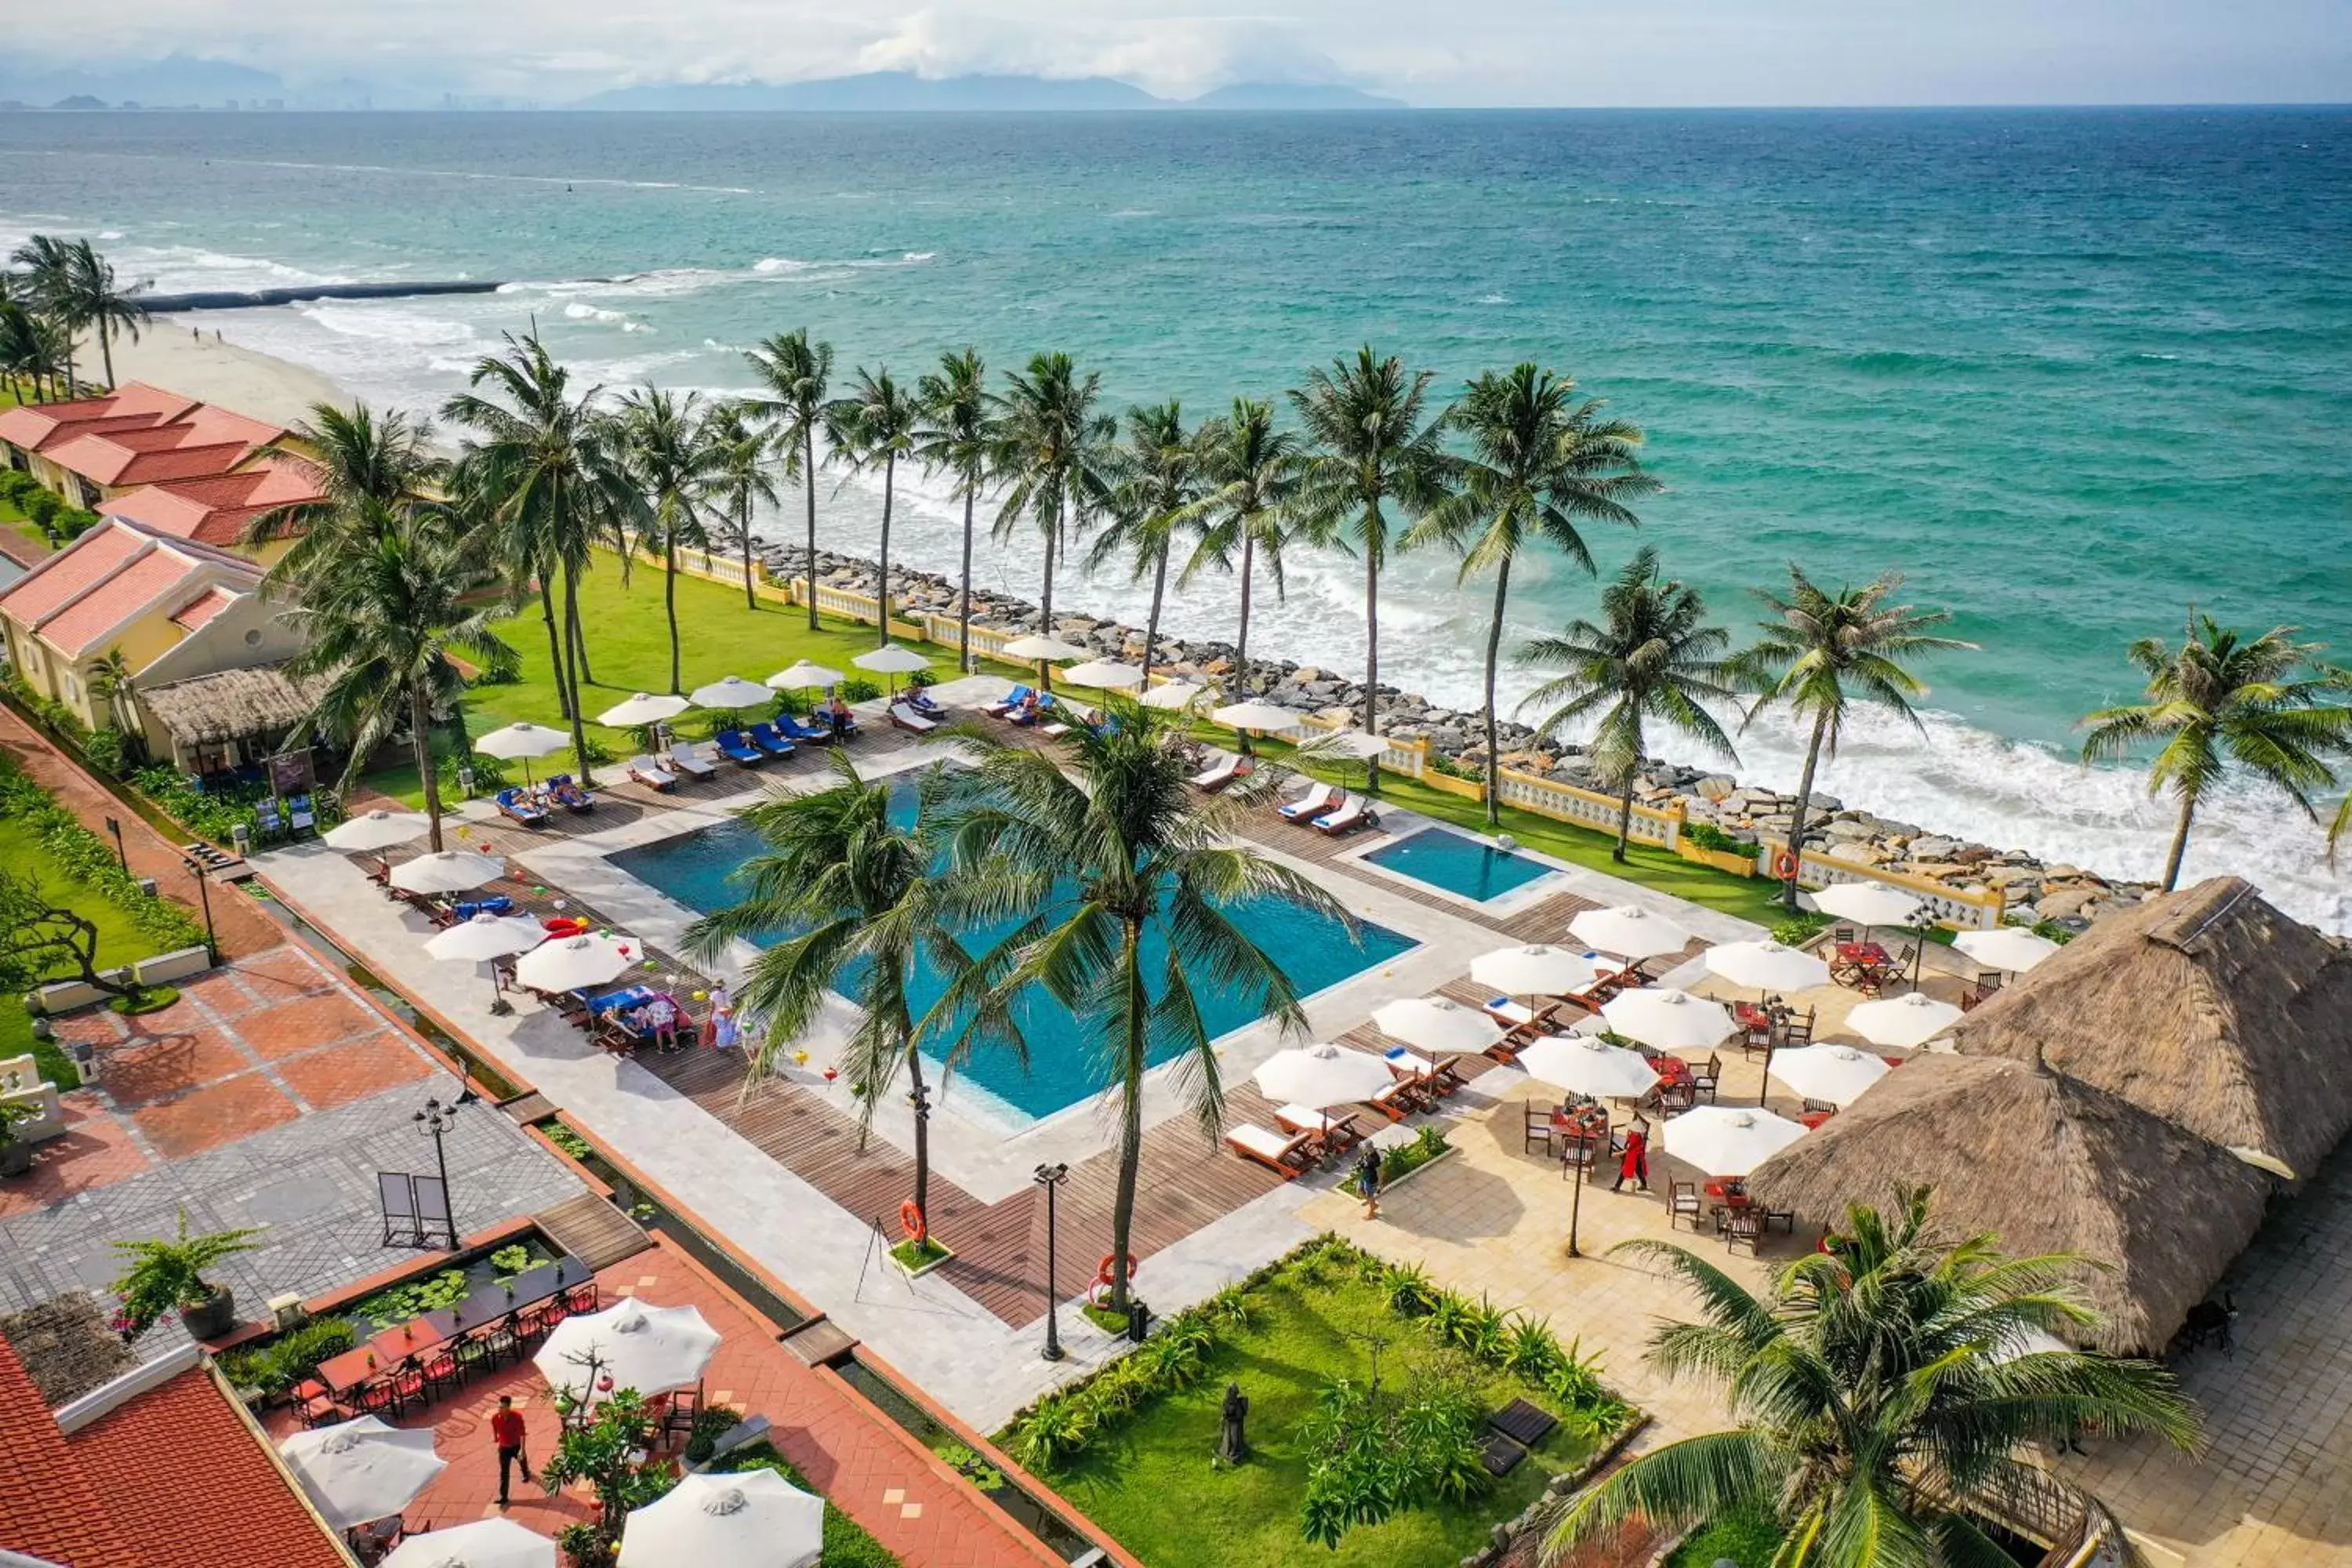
<point x="2206" y="1007"/>
<point x="2048" y="1163"/>
<point x="259" y="703"/>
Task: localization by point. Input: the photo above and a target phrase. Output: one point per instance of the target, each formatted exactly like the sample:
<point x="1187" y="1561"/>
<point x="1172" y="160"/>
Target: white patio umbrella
<point x="1037" y="646"/>
<point x="642" y="710"/>
<point x="1837" y="1074"/>
<point x="362" y="1470"/>
<point x="521" y="741"/>
<point x="1630" y="930"/>
<point x="754" y="1518"/>
<point x="485" y="1543"/>
<point x="1535" y="969"/>
<point x="1767" y="966"/>
<point x="650" y="1348"/>
<point x="1436" y="1023"/>
<point x="1911" y="1019"/>
<point x="448" y="871"/>
<point x="377" y="829"/>
<point x="1870" y="903"/>
<point x="1172" y="695"/>
<point x="1723" y="1140"/>
<point x="485" y="937"/>
<point x="573" y="962"/>
<point x="892" y="659"/>
<point x="1107" y="673"/>
<point x="805" y="676"/>
<point x="1669" y="1019"/>
<point x="1582" y="1064"/>
<point x="2013" y="948"/>
<point x="1355" y="745"/>
<point x="1253" y="715"/>
<point x="732" y="693"/>
<point x="1321" y="1075"/>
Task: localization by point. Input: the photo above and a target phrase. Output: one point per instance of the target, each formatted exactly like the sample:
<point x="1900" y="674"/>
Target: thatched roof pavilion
<point x="2050" y="1164"/>
<point x="259" y="704"/>
<point x="2206" y="1007"/>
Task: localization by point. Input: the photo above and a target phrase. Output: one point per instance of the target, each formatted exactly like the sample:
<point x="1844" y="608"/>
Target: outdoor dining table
<point x="1583" y="1131"/>
<point x="485" y="1304"/>
<point x="1862" y="964"/>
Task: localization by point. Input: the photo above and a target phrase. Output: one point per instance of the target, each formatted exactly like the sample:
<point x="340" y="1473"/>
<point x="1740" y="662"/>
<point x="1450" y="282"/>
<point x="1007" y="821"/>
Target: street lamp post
<point x="121" y="856"/>
<point x="1051" y="1178"/>
<point x="204" y="894"/>
<point x="435" y="1120"/>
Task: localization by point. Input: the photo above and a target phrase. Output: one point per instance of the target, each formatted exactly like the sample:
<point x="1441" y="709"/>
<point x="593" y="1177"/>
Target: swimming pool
<point x="1458" y="864"/>
<point x="1064" y="1064"/>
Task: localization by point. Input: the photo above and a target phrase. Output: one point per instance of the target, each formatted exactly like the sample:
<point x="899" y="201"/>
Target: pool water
<point x="1458" y="864"/>
<point x="1066" y="1064"/>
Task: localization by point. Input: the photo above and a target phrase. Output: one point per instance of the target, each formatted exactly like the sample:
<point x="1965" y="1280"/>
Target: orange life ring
<point x="1784" y="866"/>
<point x="910" y="1220"/>
<point x="1103" y="1275"/>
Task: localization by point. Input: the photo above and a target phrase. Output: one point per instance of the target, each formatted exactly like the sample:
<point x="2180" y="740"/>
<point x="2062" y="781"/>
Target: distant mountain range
<point x="903" y="91"/>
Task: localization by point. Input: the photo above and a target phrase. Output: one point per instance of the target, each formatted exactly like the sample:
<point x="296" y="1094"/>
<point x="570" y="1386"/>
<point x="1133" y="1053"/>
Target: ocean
<point x="2070" y="371"/>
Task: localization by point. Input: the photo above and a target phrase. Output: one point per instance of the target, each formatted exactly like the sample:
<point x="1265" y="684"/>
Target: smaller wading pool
<point x="1457" y="864"/>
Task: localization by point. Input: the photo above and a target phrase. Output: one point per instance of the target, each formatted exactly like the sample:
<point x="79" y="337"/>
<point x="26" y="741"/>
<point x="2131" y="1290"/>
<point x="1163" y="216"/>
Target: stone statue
<point x="1232" y="1447"/>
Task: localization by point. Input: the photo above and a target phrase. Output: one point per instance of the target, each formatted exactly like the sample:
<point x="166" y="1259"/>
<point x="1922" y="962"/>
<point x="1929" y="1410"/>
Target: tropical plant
<point x="1877" y="1393"/>
<point x="1541" y="461"/>
<point x="31" y="349"/>
<point x="1821" y="653"/>
<point x="1253" y="472"/>
<point x="96" y="300"/>
<point x="1376" y="1453"/>
<point x="955" y="437"/>
<point x="796" y="374"/>
<point x="111" y="682"/>
<point x="672" y="462"/>
<point x="876" y="425"/>
<point x="163" y="1274"/>
<point x="1651" y="656"/>
<point x="613" y="1451"/>
<point x="1373" y="451"/>
<point x="2219" y="699"/>
<point x="739" y="483"/>
<point x="380" y="623"/>
<point x="1156" y="477"/>
<point x="1052" y="452"/>
<point x="1104" y="843"/>
<point x="367" y="469"/>
<point x="48" y="264"/>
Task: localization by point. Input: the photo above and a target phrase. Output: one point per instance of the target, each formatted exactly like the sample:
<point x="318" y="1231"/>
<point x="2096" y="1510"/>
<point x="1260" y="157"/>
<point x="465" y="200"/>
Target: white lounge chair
<point x="1312" y="804"/>
<point x="906" y="718"/>
<point x="1286" y="1156"/>
<point x="651" y="773"/>
<point x="1351" y="813"/>
<point x="685" y="758"/>
<point x="1218" y="774"/>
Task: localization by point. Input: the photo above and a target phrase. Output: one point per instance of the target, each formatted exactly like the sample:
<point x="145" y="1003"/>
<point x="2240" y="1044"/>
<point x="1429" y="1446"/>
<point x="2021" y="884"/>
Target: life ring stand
<point x="1784" y="866"/>
<point x="910" y="1220"/>
<point x="1104" y="1278"/>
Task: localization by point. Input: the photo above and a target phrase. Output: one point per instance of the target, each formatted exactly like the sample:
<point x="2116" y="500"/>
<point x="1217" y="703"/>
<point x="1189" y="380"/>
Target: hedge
<point x="90" y="860"/>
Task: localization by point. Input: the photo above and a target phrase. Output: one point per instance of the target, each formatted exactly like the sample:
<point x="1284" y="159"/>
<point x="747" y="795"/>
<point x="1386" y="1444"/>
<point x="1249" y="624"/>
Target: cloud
<point x="1177" y="56"/>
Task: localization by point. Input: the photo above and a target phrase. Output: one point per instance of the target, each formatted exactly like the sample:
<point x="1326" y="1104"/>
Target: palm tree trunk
<point x="1130" y="1110"/>
<point x="669" y="601"/>
<point x="743" y="524"/>
<point x="420" y="735"/>
<point x="1624" y="821"/>
<point x="963" y="612"/>
<point x="922" y="1100"/>
<point x="1804" y="807"/>
<point x="554" y="646"/>
<point x="1151" y="621"/>
<point x="1045" y="603"/>
<point x="106" y="352"/>
<point x="808" y="490"/>
<point x="889" y="474"/>
<point x="573" y="672"/>
<point x="579" y="632"/>
<point x="1241" y="636"/>
<point x="2180" y="842"/>
<point x="1494" y="656"/>
<point x="1371" y="655"/>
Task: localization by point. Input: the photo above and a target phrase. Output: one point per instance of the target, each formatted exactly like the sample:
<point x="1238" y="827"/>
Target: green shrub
<point x="490" y="773"/>
<point x="91" y="861"/>
<point x="1427" y="1145"/>
<point x="108" y="751"/>
<point x="1053" y="1429"/>
<point x="918" y="680"/>
<point x="857" y="689"/>
<point x="2053" y="931"/>
<point x="275" y="1366"/>
<point x="208" y="814"/>
<point x="1800" y="929"/>
<point x="1378" y="1453"/>
<point x="711" y="1423"/>
<point x="1707" y="835"/>
<point x="42" y="506"/>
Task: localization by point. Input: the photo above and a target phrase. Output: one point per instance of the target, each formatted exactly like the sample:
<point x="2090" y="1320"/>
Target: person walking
<point x="1367" y="1180"/>
<point x="1635" y="1167"/>
<point x="506" y="1432"/>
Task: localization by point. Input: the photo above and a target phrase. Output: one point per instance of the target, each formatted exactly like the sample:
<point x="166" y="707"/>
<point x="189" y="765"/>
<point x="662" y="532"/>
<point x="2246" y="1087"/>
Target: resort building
<point x="217" y="510"/>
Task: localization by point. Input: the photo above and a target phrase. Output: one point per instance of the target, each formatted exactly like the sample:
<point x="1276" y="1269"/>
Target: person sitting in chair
<point x="660" y="1016"/>
<point x="838" y="715"/>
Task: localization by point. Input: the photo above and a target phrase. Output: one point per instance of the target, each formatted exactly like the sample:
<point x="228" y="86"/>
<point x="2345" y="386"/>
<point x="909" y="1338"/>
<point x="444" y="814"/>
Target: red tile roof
<point x="49" y="1506"/>
<point x="111" y="576"/>
<point x="187" y="1483"/>
<point x="217" y="510"/>
<point x="211" y="602"/>
<point x="156" y="576"/>
<point x="148" y="441"/>
<point x="134" y="404"/>
<point x="43" y="591"/>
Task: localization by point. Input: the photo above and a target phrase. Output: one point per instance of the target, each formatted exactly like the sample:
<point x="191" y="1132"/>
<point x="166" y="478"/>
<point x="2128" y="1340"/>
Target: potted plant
<point x="16" y="1154"/>
<point x="169" y="1276"/>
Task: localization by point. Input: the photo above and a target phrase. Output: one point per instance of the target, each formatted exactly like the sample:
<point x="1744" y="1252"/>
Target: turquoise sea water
<point x="2069" y="369"/>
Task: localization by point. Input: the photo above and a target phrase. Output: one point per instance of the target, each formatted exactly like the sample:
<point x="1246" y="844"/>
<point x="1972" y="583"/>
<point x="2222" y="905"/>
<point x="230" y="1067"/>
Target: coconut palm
<point x="548" y="468"/>
<point x="1253" y="472"/>
<point x="1821" y="653"/>
<point x="957" y="434"/>
<point x="850" y="891"/>
<point x="739" y="482"/>
<point x="30" y="354"/>
<point x="1156" y="480"/>
<point x="1052" y="452"/>
<point x="1878" y="1392"/>
<point x="1113" y="850"/>
<point x="875" y="426"/>
<point x="381" y="620"/>
<point x="1541" y="461"/>
<point x="1373" y="452"/>
<point x="366" y="468"/>
<point x="99" y="301"/>
<point x="112" y="682"/>
<point x="1651" y="657"/>
<point x="671" y="464"/>
<point x="797" y="373"/>
<point x="48" y="264"/>
<point x="2218" y="699"/>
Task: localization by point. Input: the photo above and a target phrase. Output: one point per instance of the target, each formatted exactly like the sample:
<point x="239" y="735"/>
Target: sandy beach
<point x="219" y="371"/>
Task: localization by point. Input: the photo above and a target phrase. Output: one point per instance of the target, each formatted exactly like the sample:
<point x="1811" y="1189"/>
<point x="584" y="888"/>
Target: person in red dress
<point x="506" y="1432"/>
<point x="1635" y="1167"/>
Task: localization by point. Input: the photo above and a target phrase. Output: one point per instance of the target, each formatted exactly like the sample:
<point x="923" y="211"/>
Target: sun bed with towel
<point x="514" y="804"/>
<point x="1285" y="1156"/>
<point x="690" y="762"/>
<point x="1310" y="805"/>
<point x="1218" y="774"/>
<point x="652" y="775"/>
<point x="736" y="749"/>
<point x="1351" y="813"/>
<point x="1013" y="700"/>
<point x="1401" y="1098"/>
<point x="767" y="739"/>
<point x="905" y="717"/>
<point x="565" y="792"/>
<point x="1414" y="1066"/>
<point x="791" y="728"/>
<point x="1332" y="1134"/>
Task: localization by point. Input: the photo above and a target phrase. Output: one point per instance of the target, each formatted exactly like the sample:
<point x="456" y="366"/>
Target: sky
<point x="1463" y="52"/>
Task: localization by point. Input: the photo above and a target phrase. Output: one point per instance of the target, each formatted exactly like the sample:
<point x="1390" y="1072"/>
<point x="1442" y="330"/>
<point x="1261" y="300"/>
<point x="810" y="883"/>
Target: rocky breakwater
<point x="2033" y="890"/>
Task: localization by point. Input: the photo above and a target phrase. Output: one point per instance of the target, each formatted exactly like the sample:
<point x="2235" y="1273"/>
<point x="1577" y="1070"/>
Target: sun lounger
<point x="686" y="761"/>
<point x="1285" y="1156"/>
<point x="905" y="717"/>
<point x="791" y="728"/>
<point x="1310" y="805"/>
<point x="498" y="904"/>
<point x="1401" y="1098"/>
<point x="736" y="749"/>
<point x="520" y="807"/>
<point x="1438" y="1078"/>
<point x="1217" y="775"/>
<point x="1331" y="1134"/>
<point x="1350" y="814"/>
<point x="567" y="793"/>
<point x="767" y="740"/>
<point x="1011" y="700"/>
<point x="1523" y="1022"/>
<point x="652" y="775"/>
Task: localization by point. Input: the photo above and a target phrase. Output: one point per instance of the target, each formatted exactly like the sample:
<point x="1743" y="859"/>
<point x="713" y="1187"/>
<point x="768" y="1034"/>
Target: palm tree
<point x="1821" y="653"/>
<point x="1112" y="847"/>
<point x="956" y="437"/>
<point x="1052" y="452"/>
<point x="48" y="264"/>
<point x="548" y="468"/>
<point x="739" y="482"/>
<point x="1371" y="450"/>
<point x="851" y="890"/>
<point x="366" y="468"/>
<point x="381" y="620"/>
<point x="1158" y="480"/>
<point x="797" y="373"/>
<point x="29" y="354"/>
<point x="111" y="682"/>
<point x="101" y="301"/>
<point x="1541" y="460"/>
<point x="1651" y="657"/>
<point x="877" y="423"/>
<point x="1254" y="472"/>
<point x="1879" y="1393"/>
<point x="673" y="464"/>
<point x="2216" y="701"/>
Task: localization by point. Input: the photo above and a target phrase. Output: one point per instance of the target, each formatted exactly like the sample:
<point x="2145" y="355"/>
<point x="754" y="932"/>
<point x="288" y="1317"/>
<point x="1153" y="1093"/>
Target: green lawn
<point x="1747" y="1539"/>
<point x="119" y="941"/>
<point x="1151" y="1483"/>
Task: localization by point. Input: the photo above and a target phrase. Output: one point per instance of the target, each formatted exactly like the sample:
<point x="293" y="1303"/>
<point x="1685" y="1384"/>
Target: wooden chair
<point x="685" y="1408"/>
<point x="1287" y="1157"/>
<point x="1674" y="1099"/>
<point x="1755" y="1040"/>
<point x="1796" y="1031"/>
<point x="441" y="1374"/>
<point x="1682" y="1203"/>
<point x="1740" y="1225"/>
<point x="472" y="1354"/>
<point x="1842" y="936"/>
<point x="1535" y="1127"/>
<point x="1706" y="1082"/>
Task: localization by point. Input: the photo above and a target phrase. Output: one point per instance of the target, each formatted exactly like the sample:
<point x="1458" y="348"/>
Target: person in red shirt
<point x="506" y="1432"/>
